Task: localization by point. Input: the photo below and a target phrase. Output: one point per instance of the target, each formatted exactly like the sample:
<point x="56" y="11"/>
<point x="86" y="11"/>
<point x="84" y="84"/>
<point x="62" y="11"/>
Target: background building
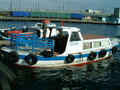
<point x="114" y="18"/>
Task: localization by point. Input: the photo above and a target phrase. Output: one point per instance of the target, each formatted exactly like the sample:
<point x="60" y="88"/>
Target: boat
<point x="68" y="47"/>
<point x="37" y="29"/>
<point x="6" y="32"/>
<point x="7" y="29"/>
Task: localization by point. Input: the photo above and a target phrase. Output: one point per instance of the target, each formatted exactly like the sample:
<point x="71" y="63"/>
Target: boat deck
<point x="4" y="42"/>
<point x="89" y="36"/>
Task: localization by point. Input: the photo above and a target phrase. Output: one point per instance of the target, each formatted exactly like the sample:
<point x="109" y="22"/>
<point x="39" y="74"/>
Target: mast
<point x="19" y="4"/>
<point x="11" y="4"/>
<point x="38" y="4"/>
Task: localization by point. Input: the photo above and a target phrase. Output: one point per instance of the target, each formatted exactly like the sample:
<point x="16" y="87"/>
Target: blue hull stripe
<point x="59" y="58"/>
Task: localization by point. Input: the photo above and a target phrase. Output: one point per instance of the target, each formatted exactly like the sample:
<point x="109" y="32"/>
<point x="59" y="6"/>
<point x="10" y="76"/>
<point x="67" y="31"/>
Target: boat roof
<point x="68" y="29"/>
<point x="53" y="25"/>
<point x="50" y="25"/>
<point x="89" y="36"/>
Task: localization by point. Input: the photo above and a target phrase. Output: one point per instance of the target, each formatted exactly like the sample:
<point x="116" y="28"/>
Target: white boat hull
<point x="79" y="60"/>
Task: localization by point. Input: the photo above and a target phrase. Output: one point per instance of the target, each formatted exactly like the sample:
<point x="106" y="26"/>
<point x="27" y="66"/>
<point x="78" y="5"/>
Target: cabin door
<point x="74" y="47"/>
<point x="75" y="43"/>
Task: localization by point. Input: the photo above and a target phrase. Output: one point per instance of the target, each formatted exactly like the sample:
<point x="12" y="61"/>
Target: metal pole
<point x="11" y="6"/>
<point x="19" y="5"/>
<point x="38" y="4"/>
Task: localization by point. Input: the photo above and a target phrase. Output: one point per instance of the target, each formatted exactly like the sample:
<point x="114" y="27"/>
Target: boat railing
<point x="30" y="42"/>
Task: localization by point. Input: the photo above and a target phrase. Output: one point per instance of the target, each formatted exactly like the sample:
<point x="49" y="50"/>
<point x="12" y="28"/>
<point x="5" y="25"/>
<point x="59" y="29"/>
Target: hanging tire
<point x="114" y="49"/>
<point x="13" y="57"/>
<point x="69" y="59"/>
<point x="92" y="56"/>
<point x="31" y="59"/>
<point x="47" y="53"/>
<point x="102" y="53"/>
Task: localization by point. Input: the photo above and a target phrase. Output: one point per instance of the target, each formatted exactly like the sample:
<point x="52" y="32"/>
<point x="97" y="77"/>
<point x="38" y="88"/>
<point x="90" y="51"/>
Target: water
<point x="103" y="75"/>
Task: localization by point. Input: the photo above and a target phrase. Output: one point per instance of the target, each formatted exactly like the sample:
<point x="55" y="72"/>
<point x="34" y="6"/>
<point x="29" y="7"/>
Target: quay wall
<point x="6" y="18"/>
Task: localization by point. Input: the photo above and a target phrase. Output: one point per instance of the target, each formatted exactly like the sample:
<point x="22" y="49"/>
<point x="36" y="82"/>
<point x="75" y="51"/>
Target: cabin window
<point x="96" y="44"/>
<point x="39" y="24"/>
<point x="65" y="33"/>
<point x="75" y="36"/>
<point x="105" y="43"/>
<point x="87" y="45"/>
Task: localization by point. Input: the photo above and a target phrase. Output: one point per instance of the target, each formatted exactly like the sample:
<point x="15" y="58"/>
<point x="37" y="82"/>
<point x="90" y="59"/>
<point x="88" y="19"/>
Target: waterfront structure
<point x="93" y="11"/>
<point x="95" y="16"/>
<point x="114" y="18"/>
<point x="116" y="12"/>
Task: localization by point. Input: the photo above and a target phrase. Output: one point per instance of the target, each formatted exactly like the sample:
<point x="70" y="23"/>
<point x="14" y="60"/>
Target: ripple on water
<point x="103" y="75"/>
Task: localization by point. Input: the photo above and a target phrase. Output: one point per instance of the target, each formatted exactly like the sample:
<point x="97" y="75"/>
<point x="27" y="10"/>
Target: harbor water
<point x="103" y="75"/>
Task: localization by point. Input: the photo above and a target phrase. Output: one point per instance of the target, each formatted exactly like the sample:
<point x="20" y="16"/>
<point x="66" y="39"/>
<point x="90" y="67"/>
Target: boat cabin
<point x="62" y="41"/>
<point x="57" y="46"/>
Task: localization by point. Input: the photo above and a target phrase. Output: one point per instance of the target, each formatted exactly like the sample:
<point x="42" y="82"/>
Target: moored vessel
<point x="66" y="47"/>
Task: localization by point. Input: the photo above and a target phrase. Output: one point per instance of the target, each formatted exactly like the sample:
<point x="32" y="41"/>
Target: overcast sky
<point x="107" y="5"/>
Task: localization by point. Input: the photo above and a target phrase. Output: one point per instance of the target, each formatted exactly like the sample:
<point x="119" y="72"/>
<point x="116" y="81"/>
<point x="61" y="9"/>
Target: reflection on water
<point x="103" y="75"/>
<point x="117" y="31"/>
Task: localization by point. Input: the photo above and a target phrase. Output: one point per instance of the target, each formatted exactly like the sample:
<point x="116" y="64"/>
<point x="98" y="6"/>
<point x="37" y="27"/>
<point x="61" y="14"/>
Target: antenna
<point x="19" y="4"/>
<point x="38" y="4"/>
<point x="11" y="6"/>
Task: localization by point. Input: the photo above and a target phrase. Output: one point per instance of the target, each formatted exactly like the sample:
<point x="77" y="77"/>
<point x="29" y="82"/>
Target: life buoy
<point x="47" y="53"/>
<point x="31" y="59"/>
<point x="102" y="53"/>
<point x="92" y="56"/>
<point x="69" y="59"/>
<point x="13" y="57"/>
<point x="114" y="49"/>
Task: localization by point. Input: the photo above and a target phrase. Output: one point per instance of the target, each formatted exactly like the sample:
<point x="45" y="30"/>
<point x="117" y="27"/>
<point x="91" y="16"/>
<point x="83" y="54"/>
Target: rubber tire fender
<point x="114" y="49"/>
<point x="47" y="53"/>
<point x="102" y="53"/>
<point x="92" y="56"/>
<point x="31" y="59"/>
<point x="69" y="59"/>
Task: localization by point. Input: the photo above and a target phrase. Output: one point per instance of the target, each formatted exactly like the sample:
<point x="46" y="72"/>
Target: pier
<point x="6" y="18"/>
<point x="88" y="17"/>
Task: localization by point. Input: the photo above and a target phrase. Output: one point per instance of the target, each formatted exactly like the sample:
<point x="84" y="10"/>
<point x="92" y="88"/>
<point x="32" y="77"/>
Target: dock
<point x="8" y="18"/>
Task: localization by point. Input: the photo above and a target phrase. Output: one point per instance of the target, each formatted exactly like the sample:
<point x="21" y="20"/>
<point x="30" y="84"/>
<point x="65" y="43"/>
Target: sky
<point x="66" y="5"/>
